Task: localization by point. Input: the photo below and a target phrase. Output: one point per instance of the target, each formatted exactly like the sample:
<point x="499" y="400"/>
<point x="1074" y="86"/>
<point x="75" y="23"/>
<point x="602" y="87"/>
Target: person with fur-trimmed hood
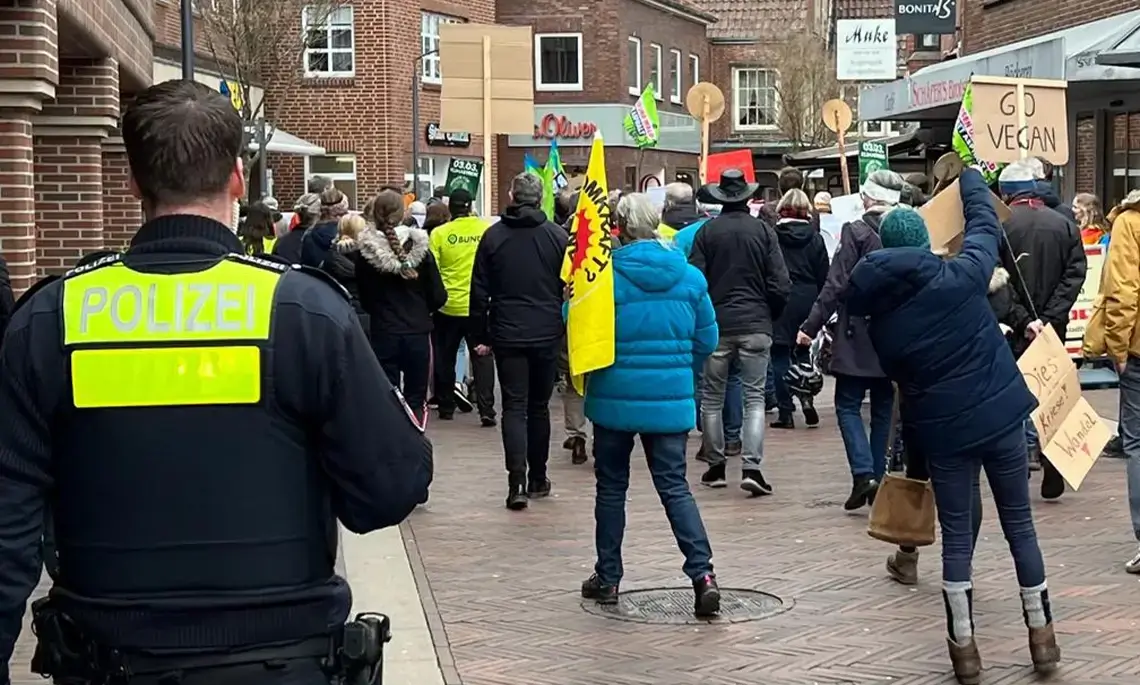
<point x="400" y="287"/>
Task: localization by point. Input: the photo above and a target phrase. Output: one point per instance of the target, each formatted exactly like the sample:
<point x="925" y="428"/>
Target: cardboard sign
<point x="1071" y="433"/>
<point x="946" y="221"/>
<point x="737" y="159"/>
<point x="1019" y="118"/>
<point x="1082" y="309"/>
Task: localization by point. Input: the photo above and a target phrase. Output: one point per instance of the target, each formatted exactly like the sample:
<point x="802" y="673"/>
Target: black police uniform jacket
<point x="201" y="527"/>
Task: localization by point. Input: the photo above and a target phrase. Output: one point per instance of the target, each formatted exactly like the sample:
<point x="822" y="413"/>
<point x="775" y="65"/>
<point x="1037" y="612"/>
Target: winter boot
<point x="903" y="567"/>
<point x="958" y="599"/>
<point x="1038" y="615"/>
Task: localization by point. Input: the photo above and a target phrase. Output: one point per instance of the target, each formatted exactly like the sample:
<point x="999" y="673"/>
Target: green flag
<point x="642" y="122"/>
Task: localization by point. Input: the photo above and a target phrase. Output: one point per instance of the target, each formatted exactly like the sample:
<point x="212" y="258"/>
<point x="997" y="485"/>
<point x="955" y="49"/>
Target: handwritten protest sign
<point x="1070" y="431"/>
<point x="945" y="220"/>
<point x="1018" y="118"/>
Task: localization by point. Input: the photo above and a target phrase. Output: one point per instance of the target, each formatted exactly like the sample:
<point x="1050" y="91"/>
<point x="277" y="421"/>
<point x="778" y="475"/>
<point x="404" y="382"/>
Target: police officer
<point x="197" y="420"/>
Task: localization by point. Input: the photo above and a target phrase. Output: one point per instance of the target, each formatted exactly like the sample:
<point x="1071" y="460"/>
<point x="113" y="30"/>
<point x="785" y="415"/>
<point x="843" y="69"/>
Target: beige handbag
<point x="903" y="512"/>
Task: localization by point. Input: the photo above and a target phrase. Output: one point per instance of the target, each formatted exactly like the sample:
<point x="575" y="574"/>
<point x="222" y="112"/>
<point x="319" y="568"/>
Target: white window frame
<point x="695" y="69"/>
<point x="736" y="102"/>
<point x="634" y="88"/>
<point x="556" y="87"/>
<point x="338" y="176"/>
<point x="429" y="42"/>
<point x="657" y="62"/>
<point x="677" y="82"/>
<point x="922" y="44"/>
<point x="329" y="50"/>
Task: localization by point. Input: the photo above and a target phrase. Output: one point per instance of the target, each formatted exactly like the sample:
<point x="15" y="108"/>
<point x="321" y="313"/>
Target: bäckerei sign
<point x="926" y="16"/>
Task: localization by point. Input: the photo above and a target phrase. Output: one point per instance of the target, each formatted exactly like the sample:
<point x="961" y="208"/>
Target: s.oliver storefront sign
<point x="575" y="126"/>
<point x="555" y="127"/>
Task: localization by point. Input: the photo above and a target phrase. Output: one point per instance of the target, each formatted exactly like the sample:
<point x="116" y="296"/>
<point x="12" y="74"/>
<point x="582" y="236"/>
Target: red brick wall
<point x="120" y="29"/>
<point x="370" y="115"/>
<point x="1084" y="152"/>
<point x="122" y="211"/>
<point x="28" y="39"/>
<point x="69" y="201"/>
<point x="988" y="23"/>
<point x="17" y="200"/>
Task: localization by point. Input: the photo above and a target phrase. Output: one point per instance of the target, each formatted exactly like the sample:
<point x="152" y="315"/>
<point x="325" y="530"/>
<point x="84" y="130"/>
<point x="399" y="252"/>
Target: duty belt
<point x="352" y="654"/>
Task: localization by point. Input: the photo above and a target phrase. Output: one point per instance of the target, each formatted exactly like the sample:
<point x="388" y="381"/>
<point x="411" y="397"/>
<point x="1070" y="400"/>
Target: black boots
<point x="862" y="492"/>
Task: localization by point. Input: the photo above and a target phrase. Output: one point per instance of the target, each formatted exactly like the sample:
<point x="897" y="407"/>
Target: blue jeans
<point x="1130" y="435"/>
<point x="750" y="351"/>
<point x="954" y="479"/>
<point x="733" y="404"/>
<point x="781" y="362"/>
<point x="867" y="457"/>
<point x="771" y="387"/>
<point x="665" y="454"/>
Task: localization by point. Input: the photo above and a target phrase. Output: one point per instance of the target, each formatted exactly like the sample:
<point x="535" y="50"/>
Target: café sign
<point x="554" y="127"/>
<point x="436" y="137"/>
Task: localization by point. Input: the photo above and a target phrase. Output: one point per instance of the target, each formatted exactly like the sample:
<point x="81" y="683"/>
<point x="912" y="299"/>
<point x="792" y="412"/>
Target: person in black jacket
<point x="749" y="285"/>
<point x="805" y="255"/>
<point x="306" y="212"/>
<point x="400" y="287"/>
<point x="7" y="301"/>
<point x="1048" y="195"/>
<point x="854" y="362"/>
<point x="517" y="289"/>
<point x="317" y="241"/>
<point x="340" y="264"/>
<point x="1050" y="260"/>
<point x="195" y="503"/>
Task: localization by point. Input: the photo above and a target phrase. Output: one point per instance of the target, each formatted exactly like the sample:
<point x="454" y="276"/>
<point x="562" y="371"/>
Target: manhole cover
<point x="675" y="606"/>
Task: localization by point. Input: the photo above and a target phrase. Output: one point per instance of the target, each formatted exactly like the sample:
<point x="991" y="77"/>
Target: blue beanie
<point x="904" y="227"/>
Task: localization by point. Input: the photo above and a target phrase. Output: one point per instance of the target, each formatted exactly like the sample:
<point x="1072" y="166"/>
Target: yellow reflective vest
<point x="150" y="339"/>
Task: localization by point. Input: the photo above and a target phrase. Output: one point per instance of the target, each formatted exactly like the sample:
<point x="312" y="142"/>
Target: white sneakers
<point x="1133" y="564"/>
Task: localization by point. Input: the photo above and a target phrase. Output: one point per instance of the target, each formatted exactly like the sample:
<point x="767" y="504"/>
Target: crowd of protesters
<point x="761" y="299"/>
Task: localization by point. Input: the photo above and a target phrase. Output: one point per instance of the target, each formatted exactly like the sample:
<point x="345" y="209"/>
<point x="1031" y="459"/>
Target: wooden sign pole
<point x="488" y="136"/>
<point x="705" y="141"/>
<point x="839" y="133"/>
<point x="1020" y="115"/>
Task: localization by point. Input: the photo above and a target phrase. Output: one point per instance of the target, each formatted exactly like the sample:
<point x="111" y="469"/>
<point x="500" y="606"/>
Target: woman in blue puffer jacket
<point x="665" y="328"/>
<point x="962" y="401"/>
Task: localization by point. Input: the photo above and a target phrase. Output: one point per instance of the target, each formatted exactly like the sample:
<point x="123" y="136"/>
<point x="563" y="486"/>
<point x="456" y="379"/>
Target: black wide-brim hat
<point x="732" y="188"/>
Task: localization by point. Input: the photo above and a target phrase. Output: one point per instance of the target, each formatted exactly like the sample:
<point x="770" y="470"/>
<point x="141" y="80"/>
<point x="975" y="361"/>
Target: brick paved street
<point x="499" y="589"/>
<point x="505" y="584"/>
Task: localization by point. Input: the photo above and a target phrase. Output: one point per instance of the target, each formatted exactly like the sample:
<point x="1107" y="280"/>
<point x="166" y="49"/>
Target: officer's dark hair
<point x="790" y="177"/>
<point x="182" y="141"/>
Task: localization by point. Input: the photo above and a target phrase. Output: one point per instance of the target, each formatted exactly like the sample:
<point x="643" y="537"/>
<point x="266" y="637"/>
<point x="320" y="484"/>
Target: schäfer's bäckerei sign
<point x="557" y="127"/>
<point x="926" y="16"/>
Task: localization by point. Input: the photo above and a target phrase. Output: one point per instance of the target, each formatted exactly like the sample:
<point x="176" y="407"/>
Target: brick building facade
<point x="591" y="64"/>
<point x="356" y="101"/>
<point x="65" y="69"/>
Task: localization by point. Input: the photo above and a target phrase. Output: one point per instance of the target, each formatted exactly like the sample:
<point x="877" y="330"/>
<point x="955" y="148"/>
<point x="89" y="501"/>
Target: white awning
<point x="935" y="92"/>
<point x="287" y="143"/>
<point x="1124" y="53"/>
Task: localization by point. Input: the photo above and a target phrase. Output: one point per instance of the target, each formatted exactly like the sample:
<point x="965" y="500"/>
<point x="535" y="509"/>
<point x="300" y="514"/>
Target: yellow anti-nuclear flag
<point x="588" y="273"/>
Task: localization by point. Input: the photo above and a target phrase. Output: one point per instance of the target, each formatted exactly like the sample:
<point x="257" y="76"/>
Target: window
<point x="558" y="61"/>
<point x="929" y="41"/>
<point x="633" y="78"/>
<point x="695" y="69"/>
<point x="881" y="128"/>
<point x="427" y="170"/>
<point x="429" y="44"/>
<point x="655" y="69"/>
<point x="755" y="100"/>
<point x="675" y="76"/>
<point x="630" y="179"/>
<point x="340" y="168"/>
<point x="329" y="42"/>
